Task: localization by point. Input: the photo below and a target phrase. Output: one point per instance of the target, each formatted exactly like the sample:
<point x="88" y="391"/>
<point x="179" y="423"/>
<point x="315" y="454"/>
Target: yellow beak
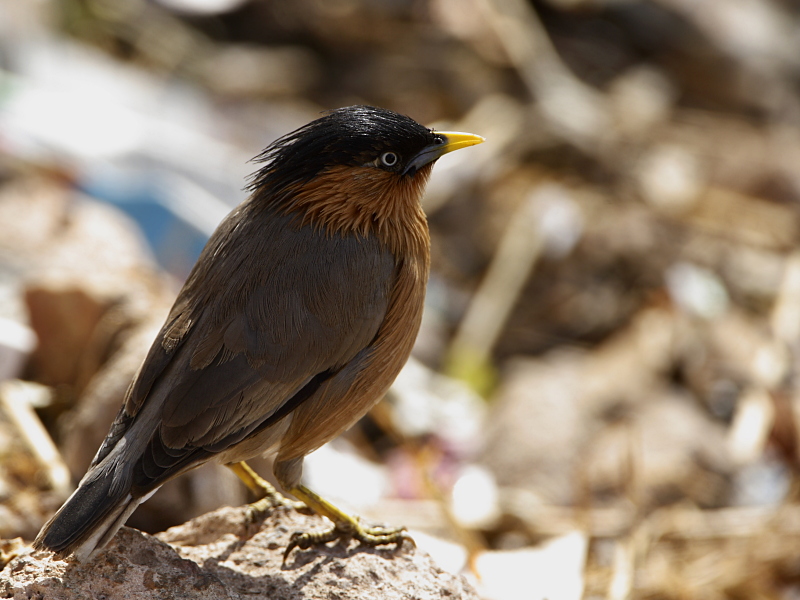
<point x="455" y="140"/>
<point x="446" y="141"/>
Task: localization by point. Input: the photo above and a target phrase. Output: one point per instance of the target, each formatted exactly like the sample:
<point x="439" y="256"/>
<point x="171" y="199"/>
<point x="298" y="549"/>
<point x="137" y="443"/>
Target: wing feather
<point x="264" y="313"/>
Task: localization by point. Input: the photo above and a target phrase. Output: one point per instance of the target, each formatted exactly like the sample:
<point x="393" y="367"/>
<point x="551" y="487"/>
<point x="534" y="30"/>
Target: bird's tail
<point x="89" y="518"/>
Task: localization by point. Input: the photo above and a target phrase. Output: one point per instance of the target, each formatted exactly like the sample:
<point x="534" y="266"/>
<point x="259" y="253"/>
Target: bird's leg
<point x="268" y="496"/>
<point x="344" y="525"/>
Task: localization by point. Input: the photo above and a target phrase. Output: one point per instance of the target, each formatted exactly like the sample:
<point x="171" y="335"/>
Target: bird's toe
<point x="366" y="536"/>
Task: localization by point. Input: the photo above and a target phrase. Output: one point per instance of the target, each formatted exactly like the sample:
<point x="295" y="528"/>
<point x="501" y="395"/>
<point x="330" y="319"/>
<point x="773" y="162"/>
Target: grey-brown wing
<point x="271" y="309"/>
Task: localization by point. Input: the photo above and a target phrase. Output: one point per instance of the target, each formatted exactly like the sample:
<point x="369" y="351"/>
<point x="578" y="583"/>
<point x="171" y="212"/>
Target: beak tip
<point x="457" y="140"/>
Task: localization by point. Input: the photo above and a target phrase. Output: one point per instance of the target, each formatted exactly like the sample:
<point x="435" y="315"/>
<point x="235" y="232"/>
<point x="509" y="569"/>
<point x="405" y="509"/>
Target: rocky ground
<point x="224" y="555"/>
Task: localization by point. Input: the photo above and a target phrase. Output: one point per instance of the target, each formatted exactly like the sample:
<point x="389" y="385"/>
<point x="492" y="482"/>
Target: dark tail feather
<point x="89" y="518"/>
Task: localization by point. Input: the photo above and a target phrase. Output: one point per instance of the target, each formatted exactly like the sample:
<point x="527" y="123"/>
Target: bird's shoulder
<point x="291" y="298"/>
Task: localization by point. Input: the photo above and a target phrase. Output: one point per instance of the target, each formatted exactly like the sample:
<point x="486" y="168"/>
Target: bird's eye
<point x="389" y="159"/>
<point x="438" y="140"/>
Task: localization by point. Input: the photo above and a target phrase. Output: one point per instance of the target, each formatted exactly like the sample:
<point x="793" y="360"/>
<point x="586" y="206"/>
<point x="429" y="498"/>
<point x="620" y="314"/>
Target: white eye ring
<point x="389" y="159"/>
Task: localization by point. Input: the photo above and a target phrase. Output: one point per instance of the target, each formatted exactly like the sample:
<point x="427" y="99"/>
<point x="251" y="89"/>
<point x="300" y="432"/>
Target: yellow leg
<point x="268" y="496"/>
<point x="343" y="526"/>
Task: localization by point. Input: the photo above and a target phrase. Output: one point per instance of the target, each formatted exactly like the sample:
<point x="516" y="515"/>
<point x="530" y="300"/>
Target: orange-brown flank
<point x="367" y="201"/>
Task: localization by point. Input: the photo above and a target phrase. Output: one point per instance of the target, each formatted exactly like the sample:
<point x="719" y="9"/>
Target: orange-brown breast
<point x="367" y="201"/>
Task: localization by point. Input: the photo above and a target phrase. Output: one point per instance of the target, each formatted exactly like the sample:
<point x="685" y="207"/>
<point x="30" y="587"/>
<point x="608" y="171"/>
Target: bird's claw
<point x="367" y="536"/>
<point x="258" y="510"/>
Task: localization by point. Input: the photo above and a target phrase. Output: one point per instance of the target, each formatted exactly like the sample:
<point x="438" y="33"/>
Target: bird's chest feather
<point x="383" y="207"/>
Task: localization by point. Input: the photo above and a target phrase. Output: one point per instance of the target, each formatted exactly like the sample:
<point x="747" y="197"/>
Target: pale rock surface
<point x="221" y="555"/>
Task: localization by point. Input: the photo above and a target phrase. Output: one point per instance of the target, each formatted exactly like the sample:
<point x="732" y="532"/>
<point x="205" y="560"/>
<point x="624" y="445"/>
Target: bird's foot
<point x="367" y="536"/>
<point x="260" y="509"/>
<point x="344" y="526"/>
<point x="278" y="500"/>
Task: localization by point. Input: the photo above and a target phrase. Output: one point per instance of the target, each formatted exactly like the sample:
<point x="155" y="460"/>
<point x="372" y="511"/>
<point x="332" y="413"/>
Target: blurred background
<point x="603" y="400"/>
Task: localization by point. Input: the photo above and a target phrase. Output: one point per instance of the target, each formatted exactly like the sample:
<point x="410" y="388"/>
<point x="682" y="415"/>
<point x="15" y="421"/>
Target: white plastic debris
<point x="553" y="571"/>
<point x="450" y="556"/>
<point x="751" y="427"/>
<point x="475" y="498"/>
<point x="340" y="474"/>
<point x="670" y="178"/>
<point x="426" y="402"/>
<point x="696" y="290"/>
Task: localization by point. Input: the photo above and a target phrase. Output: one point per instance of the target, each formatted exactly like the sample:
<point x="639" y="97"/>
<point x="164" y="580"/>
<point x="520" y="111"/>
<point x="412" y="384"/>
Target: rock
<point x="536" y="427"/>
<point x="79" y="272"/>
<point x="221" y="555"/>
<point x="96" y="280"/>
<point x="63" y="317"/>
<point x="667" y="450"/>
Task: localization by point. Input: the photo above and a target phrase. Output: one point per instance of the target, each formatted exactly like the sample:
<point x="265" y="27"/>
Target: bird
<point x="299" y="313"/>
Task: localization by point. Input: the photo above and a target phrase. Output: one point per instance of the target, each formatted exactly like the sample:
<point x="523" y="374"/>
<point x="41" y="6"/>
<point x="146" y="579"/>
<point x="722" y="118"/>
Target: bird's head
<point x="354" y="168"/>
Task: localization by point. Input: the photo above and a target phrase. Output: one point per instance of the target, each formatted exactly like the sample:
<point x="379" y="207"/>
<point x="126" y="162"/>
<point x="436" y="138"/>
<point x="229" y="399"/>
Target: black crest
<point x="353" y="135"/>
